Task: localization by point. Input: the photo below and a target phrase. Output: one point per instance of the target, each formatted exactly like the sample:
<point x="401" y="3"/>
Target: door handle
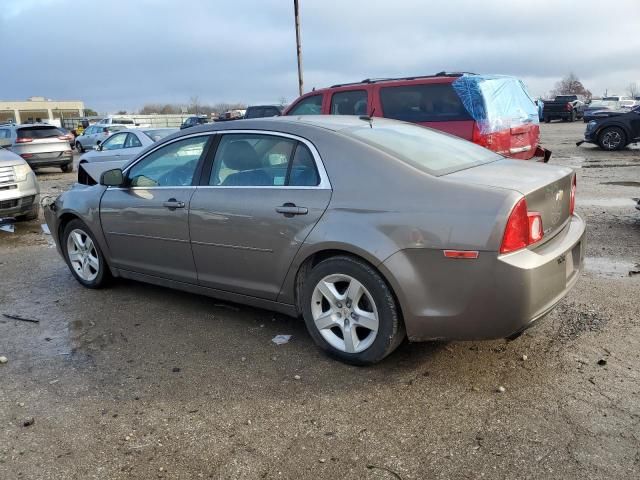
<point x="290" y="209"/>
<point x="172" y="204"/>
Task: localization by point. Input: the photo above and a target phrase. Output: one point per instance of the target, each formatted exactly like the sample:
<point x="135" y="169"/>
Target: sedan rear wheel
<point x="83" y="255"/>
<point x="350" y="311"/>
<point x="79" y="147"/>
<point x="612" y="138"/>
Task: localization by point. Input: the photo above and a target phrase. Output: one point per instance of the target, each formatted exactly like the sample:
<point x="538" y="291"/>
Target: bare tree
<point x="283" y="101"/>
<point x="570" y="85"/>
<point x="633" y="90"/>
<point x="194" y="104"/>
<point x="121" y="112"/>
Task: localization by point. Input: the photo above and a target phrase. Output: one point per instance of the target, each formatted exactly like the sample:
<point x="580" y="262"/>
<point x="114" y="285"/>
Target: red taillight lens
<point x="568" y="107"/>
<point x="26" y="155"/>
<point x="23" y="140"/>
<point x="572" y="198"/>
<point x="523" y="228"/>
<point x="63" y="137"/>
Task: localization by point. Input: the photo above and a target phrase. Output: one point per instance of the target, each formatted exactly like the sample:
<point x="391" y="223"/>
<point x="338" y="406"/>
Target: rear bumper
<point x="50" y="159"/>
<point x="493" y="296"/>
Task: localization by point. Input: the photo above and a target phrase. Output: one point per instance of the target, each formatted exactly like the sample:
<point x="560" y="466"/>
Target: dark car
<point x="371" y="230"/>
<point x="260" y="111"/>
<point x="615" y="131"/>
<point x="494" y="111"/>
<point x="565" y="107"/>
<point x="194" y="121"/>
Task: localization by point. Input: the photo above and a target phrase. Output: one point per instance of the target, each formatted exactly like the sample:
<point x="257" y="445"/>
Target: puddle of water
<point x="605" y="202"/>
<point x="609" y="267"/>
<point x="622" y="184"/>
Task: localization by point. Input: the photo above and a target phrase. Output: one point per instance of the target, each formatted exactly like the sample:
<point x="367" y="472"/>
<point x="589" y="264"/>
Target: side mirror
<point x="112" y="178"/>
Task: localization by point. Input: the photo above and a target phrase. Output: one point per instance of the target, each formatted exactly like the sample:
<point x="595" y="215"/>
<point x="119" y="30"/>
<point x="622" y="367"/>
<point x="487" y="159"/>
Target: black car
<point x="260" y="111"/>
<point x="194" y="121"/>
<point x="615" y="131"/>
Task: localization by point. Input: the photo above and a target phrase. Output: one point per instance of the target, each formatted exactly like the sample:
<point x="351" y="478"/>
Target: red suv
<point x="494" y="111"/>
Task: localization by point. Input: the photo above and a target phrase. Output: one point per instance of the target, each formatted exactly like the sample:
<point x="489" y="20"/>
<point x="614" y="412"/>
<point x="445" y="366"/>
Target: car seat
<point x="240" y="155"/>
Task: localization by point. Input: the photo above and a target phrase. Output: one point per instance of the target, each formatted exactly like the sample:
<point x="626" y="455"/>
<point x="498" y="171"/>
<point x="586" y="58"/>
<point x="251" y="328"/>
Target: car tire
<point x="547" y="119"/>
<point x="612" y="138"/>
<point x="360" y="332"/>
<point x="79" y="147"/>
<point x="83" y="255"/>
<point x="67" y="167"/>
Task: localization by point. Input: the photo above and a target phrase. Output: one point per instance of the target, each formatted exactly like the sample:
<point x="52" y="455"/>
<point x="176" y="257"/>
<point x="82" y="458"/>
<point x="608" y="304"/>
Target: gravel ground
<point x="142" y="382"/>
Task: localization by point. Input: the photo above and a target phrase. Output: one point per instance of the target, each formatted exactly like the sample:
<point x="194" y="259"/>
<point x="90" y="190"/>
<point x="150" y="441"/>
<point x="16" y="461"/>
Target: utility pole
<point x="296" y="12"/>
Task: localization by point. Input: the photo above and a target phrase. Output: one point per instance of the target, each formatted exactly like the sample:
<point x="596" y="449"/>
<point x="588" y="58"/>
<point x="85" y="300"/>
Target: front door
<point x="146" y="224"/>
<point x="264" y="194"/>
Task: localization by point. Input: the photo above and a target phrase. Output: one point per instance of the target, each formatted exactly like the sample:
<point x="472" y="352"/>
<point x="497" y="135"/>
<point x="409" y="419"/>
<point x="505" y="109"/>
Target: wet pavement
<point x="138" y="381"/>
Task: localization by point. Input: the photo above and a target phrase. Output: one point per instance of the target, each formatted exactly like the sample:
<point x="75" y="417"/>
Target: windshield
<point x="603" y="104"/>
<point x="160" y="133"/>
<point x="430" y="151"/>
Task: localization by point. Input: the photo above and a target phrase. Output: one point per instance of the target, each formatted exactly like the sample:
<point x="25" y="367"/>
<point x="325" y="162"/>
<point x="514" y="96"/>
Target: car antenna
<point x="368" y="118"/>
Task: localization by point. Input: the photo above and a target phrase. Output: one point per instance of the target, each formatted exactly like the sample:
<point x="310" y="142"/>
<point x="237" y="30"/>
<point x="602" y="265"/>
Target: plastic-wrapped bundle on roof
<point x="496" y="102"/>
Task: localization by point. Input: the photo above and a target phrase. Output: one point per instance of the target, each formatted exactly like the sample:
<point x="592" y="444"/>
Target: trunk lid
<point x="546" y="188"/>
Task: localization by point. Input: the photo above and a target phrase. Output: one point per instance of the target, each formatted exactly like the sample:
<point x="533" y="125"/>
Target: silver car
<point x="94" y="134"/>
<point x="125" y="144"/>
<point x="19" y="190"/>
<point x="40" y="144"/>
<point x="370" y="229"/>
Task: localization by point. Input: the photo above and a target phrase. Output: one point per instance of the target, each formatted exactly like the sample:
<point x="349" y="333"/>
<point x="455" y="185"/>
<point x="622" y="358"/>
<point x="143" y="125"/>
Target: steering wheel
<point x="179" y="176"/>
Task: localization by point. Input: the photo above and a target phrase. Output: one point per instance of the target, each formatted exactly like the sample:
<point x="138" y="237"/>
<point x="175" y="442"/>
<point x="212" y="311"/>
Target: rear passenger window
<point x="353" y="102"/>
<point x="309" y="106"/>
<point x="303" y="169"/>
<point x="255" y="160"/>
<point x="436" y="102"/>
<point x="132" y="141"/>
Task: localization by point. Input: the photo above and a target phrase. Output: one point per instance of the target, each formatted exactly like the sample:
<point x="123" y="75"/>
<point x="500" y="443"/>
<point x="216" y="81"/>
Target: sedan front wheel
<point x="83" y="255"/>
<point x="350" y="311"/>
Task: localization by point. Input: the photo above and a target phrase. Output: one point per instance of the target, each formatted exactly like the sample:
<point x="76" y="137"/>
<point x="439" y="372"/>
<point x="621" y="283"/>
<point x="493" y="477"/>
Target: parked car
<point x="94" y="134"/>
<point x="615" y="131"/>
<point x="125" y="144"/>
<point x="494" y="111"/>
<point x="627" y="105"/>
<point x="371" y="229"/>
<point x="231" y="115"/>
<point x="41" y="145"/>
<point x="120" y="121"/>
<point x="599" y="109"/>
<point x="19" y="190"/>
<point x="260" y="111"/>
<point x="194" y="121"/>
<point x="565" y="107"/>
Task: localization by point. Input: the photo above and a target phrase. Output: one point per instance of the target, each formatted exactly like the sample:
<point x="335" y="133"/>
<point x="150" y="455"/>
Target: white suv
<point x="19" y="190"/>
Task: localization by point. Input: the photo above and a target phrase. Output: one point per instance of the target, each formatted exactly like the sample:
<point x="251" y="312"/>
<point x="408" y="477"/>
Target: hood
<point x="89" y="173"/>
<point x="607" y="113"/>
<point x="9" y="159"/>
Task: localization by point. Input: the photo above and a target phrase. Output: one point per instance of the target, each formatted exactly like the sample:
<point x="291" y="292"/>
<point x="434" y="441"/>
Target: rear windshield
<point x="38" y="132"/>
<point x="159" y="134"/>
<point x="436" y="102"/>
<point x="430" y="151"/>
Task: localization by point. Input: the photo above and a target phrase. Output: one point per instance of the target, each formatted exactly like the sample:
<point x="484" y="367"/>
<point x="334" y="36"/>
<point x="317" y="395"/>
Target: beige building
<point x="39" y="108"/>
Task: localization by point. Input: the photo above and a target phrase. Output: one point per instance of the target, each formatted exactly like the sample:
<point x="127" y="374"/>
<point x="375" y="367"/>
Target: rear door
<point x="434" y="105"/>
<point x="146" y="224"/>
<point x="255" y="206"/>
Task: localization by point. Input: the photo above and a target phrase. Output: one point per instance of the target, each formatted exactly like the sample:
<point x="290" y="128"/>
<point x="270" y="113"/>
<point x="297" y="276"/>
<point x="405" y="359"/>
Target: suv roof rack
<point x="415" y="77"/>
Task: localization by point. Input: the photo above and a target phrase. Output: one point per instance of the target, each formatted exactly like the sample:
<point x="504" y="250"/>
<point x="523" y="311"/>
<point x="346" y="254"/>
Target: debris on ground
<point x="4" y="359"/>
<point x="281" y="339"/>
<point x="602" y="362"/>
<point x="27" y="422"/>
<point x="45" y="229"/>
<point x="501" y="389"/>
<point x="372" y="467"/>
<point x="228" y="307"/>
<point x="175" y="369"/>
<point x="8" y="227"/>
<point x="297" y="377"/>
<point x="20" y="318"/>
<point x="524" y="358"/>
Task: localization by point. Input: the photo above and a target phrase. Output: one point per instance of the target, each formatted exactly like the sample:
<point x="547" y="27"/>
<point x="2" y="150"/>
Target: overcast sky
<point x="121" y="54"/>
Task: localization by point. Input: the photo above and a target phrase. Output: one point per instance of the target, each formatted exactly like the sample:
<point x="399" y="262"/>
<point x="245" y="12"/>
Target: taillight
<point x="572" y="198"/>
<point x="63" y="137"/>
<point x="568" y="107"/>
<point x="26" y="155"/>
<point x="523" y="228"/>
<point x="23" y="140"/>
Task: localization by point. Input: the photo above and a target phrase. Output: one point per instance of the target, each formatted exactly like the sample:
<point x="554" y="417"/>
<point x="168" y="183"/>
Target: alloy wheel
<point x="611" y="139"/>
<point x="344" y="313"/>
<point x="83" y="255"/>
